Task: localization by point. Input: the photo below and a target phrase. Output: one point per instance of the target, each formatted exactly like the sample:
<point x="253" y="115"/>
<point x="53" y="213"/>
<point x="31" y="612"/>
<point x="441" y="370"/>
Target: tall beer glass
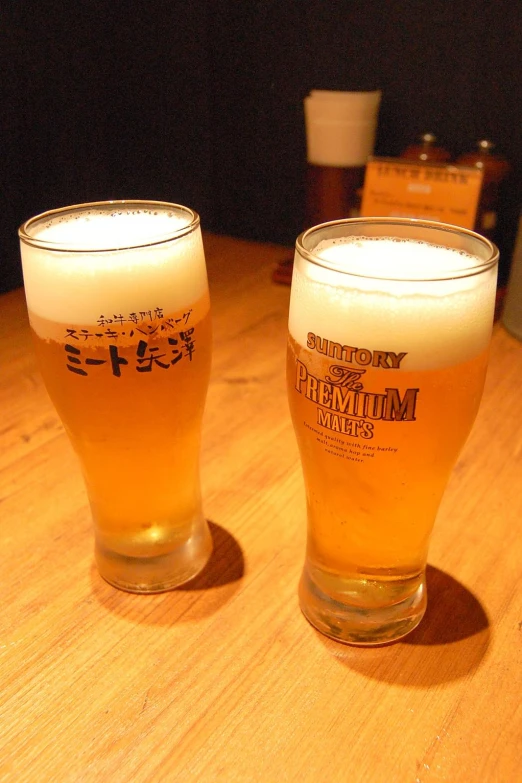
<point x="389" y="327"/>
<point x="118" y="303"/>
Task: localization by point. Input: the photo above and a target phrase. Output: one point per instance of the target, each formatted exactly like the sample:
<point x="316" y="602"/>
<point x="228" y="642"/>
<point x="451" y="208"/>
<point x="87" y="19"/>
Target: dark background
<point x="200" y="102"/>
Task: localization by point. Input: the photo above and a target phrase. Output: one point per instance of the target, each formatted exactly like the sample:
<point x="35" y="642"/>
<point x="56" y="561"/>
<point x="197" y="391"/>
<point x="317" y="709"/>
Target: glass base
<point x="357" y="624"/>
<point x="159" y="573"/>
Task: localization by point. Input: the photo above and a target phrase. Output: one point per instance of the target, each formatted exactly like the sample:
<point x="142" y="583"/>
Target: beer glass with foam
<point x="389" y="327"/>
<point x="119" y="308"/>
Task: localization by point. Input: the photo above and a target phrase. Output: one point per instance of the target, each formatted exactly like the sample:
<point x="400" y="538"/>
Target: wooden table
<point x="224" y="680"/>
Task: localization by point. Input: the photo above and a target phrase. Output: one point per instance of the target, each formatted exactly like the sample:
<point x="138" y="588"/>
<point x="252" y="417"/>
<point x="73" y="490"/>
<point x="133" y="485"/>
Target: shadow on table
<point x="449" y="643"/>
<point x="199" y="598"/>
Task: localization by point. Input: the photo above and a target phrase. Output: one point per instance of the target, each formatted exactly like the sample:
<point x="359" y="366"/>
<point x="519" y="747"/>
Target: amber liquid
<point x="134" y="420"/>
<point x="374" y="486"/>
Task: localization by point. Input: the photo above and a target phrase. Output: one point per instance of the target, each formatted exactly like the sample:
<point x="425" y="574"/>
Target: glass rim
<point x="105" y="206"/>
<point x="426" y="225"/>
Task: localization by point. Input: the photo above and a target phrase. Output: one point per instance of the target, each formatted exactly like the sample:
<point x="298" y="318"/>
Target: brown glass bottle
<point x="427" y="151"/>
<point x="495" y="169"/>
<point x="332" y="193"/>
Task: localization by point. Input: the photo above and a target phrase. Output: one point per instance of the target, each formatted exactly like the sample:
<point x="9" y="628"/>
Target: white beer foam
<point x="78" y="287"/>
<point x="437" y="322"/>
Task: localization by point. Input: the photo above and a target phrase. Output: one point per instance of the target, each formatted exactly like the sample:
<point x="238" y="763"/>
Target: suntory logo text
<point x="352" y="354"/>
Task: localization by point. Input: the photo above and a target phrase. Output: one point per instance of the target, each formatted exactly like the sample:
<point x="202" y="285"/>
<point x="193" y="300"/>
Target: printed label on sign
<point x="395" y="187"/>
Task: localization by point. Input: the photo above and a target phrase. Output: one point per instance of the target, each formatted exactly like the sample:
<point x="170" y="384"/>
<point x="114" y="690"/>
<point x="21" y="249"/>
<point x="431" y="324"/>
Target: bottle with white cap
<point x="340" y="136"/>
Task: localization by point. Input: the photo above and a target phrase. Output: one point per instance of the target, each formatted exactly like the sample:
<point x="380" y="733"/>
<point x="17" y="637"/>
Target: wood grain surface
<point x="223" y="679"/>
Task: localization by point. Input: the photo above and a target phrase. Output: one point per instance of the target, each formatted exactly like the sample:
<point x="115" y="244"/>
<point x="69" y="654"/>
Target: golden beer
<point x="119" y="307"/>
<point x="389" y="329"/>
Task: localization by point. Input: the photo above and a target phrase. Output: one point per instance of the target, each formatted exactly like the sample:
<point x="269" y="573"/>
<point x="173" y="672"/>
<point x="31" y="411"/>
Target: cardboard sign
<point x="394" y="187"/>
